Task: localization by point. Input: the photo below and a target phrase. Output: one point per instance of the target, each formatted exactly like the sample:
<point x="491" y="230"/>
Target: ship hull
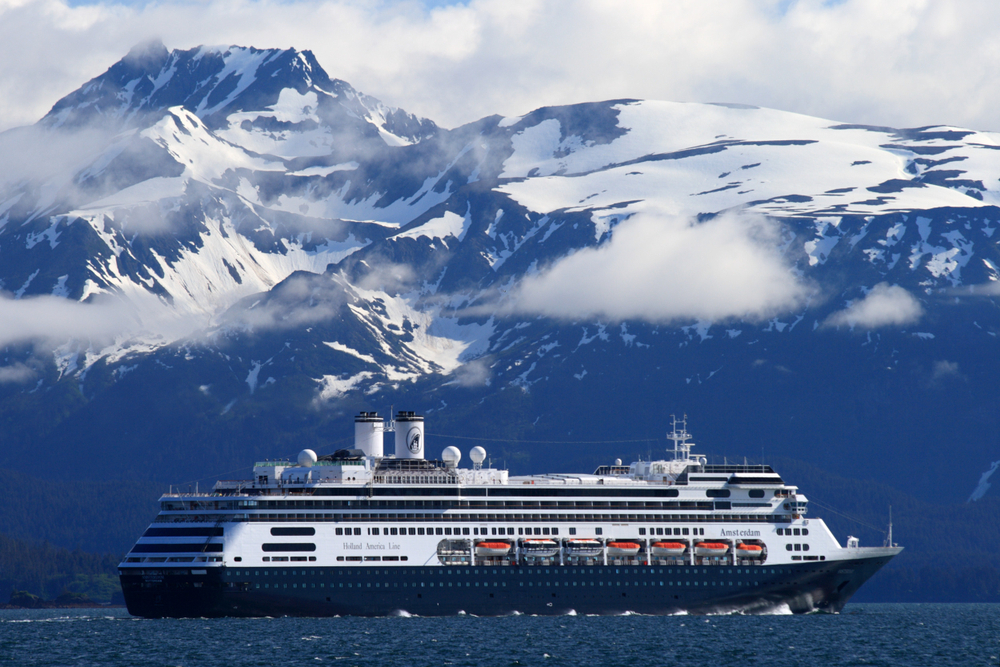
<point x="494" y="591"/>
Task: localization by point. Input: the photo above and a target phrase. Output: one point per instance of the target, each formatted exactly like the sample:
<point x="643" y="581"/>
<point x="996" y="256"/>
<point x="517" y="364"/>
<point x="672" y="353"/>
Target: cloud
<point x="51" y="321"/>
<point x="945" y="369"/>
<point x="885" y="305"/>
<point x="475" y="373"/>
<point x="663" y="269"/>
<point x="300" y="300"/>
<point x="17" y="373"/>
<point x="893" y="62"/>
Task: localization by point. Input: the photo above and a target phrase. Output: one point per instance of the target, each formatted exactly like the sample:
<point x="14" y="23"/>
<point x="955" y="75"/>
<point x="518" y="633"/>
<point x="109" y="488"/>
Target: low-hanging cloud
<point x="884" y="306"/>
<point x="51" y="321"/>
<point x="663" y="269"/>
<point x="302" y="299"/>
<point x="894" y="62"/>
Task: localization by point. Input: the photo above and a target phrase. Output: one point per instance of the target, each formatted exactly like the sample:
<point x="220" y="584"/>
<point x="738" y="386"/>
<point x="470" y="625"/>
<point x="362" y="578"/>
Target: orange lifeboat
<point x="492" y="549"/>
<point x="668" y="548"/>
<point x="622" y="548"/>
<point x="749" y="550"/>
<point x="711" y="549"/>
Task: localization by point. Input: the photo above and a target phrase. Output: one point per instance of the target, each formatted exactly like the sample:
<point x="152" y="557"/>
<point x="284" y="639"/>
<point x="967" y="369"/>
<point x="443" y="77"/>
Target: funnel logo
<point x="413" y="440"/>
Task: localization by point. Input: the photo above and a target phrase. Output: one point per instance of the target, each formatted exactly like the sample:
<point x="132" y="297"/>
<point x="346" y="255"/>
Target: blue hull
<point x="493" y="591"/>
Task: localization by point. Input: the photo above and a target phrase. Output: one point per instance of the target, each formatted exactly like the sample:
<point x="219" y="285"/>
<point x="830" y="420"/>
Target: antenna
<point x="889" y="538"/>
<point x="682" y="448"/>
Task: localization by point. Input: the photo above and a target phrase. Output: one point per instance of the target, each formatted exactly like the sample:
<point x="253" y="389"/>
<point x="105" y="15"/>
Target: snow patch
<point x="340" y="347"/>
<point x="333" y="386"/>
<point x="984" y="483"/>
<point x="450" y="224"/>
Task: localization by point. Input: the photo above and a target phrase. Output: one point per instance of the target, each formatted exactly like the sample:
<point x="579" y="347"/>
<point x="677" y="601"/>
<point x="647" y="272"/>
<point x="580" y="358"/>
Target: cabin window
<point x="642" y="531"/>
<point x="545" y="531"/>
<point x="756" y="493"/>
<point x="555" y="531"/>
<point x="412" y="531"/>
<point x="465" y="531"/>
<point x="788" y="547"/>
<point x="798" y="547"/>
<point x="795" y="531"/>
<point x="684" y="531"/>
<point x="598" y="531"/>
<point x="439" y="531"/>
<point x="572" y="531"/>
<point x="538" y="531"/>
<point x="805" y="531"/>
<point x="447" y="531"/>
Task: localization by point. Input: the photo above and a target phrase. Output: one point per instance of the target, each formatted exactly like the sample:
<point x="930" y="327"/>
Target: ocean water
<point x="864" y="634"/>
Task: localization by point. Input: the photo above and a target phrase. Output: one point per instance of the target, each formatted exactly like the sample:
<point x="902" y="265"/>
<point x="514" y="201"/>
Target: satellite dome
<point x="451" y="456"/>
<point x="307" y="457"/>
<point x="477" y="454"/>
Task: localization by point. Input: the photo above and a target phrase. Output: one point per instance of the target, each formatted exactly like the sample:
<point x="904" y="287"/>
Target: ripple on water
<point x="883" y="635"/>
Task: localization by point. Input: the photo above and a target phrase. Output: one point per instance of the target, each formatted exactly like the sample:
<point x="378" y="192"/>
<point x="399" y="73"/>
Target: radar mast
<point x="682" y="448"/>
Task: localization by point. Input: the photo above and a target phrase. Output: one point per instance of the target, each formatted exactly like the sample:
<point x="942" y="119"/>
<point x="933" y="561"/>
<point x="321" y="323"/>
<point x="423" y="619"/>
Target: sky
<point x="901" y="63"/>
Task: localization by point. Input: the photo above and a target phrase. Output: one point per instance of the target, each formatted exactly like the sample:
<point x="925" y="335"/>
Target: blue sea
<point x="864" y="634"/>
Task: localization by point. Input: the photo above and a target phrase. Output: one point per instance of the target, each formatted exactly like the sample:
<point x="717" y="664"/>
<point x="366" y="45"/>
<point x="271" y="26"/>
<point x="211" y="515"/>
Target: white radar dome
<point x="477" y="454"/>
<point x="451" y="456"/>
<point x="618" y="462"/>
<point x="307" y="457"/>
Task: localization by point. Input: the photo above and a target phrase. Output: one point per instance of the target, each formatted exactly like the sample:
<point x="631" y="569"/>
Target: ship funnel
<point x="409" y="435"/>
<point x="368" y="434"/>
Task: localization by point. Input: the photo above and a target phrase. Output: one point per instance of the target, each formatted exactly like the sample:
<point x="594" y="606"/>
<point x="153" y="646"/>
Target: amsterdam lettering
<point x="740" y="533"/>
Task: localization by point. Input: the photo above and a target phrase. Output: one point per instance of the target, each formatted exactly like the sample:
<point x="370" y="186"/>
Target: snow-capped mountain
<point x="258" y="250"/>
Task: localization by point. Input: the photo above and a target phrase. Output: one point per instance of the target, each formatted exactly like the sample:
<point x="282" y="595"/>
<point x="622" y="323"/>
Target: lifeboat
<point x="582" y="547"/>
<point x="749" y="550"/>
<point x="668" y="548"/>
<point x="539" y="548"/>
<point x="622" y="548"/>
<point x="492" y="549"/>
<point x="710" y="549"/>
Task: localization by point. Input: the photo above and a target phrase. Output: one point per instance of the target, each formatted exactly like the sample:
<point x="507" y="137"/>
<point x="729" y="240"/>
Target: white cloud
<point x="892" y="62"/>
<point x="664" y="269"/>
<point x="17" y="373"/>
<point x="885" y="305"/>
<point x="945" y="369"/>
<point x="52" y="320"/>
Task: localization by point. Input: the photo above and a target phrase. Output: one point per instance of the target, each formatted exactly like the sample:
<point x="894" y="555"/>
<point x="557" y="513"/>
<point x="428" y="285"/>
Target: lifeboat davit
<point x="622" y="548"/>
<point x="749" y="550"/>
<point x="492" y="549"/>
<point x="711" y="549"/>
<point x="539" y="548"/>
<point x="583" y="547"/>
<point x="668" y="548"/>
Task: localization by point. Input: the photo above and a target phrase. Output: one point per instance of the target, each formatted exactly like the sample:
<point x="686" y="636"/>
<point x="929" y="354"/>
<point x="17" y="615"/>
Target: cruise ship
<point x="362" y="532"/>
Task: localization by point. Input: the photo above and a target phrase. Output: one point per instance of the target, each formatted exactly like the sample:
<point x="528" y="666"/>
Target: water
<point x="864" y="634"/>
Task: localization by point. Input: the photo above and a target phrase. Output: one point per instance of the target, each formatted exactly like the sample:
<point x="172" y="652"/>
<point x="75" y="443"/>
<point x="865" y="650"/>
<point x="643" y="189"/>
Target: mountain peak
<point x="148" y="56"/>
<point x="215" y="82"/>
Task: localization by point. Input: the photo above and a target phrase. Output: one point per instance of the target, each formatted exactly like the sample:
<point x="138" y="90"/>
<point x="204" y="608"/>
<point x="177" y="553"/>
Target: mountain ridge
<point x="262" y="250"/>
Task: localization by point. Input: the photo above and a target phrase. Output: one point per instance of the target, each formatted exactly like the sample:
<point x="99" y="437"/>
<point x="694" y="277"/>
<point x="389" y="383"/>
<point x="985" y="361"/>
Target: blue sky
<point x="902" y="63"/>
